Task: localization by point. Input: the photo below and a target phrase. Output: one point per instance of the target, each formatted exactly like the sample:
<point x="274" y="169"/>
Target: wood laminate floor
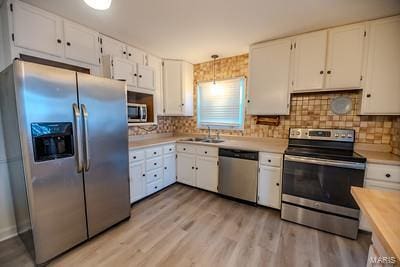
<point x="184" y="226"/>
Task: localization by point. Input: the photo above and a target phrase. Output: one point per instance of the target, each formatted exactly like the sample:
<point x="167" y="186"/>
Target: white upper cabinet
<point x="269" y="78"/>
<point x="345" y="56"/>
<point x="81" y="44"/>
<point x="123" y="69"/>
<point x="178" y="88"/>
<point x="136" y="55"/>
<point x="381" y="94"/>
<point x="309" y="61"/>
<point x="36" y="29"/>
<point x="145" y="77"/>
<point x="156" y="64"/>
<point x="112" y="47"/>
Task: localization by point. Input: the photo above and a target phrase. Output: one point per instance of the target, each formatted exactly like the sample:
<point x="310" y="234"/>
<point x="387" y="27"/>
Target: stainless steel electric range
<point x="320" y="166"/>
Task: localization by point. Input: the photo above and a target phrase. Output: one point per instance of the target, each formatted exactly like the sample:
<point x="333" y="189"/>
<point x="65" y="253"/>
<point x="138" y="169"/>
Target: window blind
<point x="221" y="105"/>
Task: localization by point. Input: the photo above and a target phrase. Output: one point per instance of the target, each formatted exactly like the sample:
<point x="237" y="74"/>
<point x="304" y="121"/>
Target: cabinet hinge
<point x="101" y="50"/>
<point x="258" y="198"/>
<point x="164" y="110"/>
<point x="258" y="169"/>
<point x="12" y="37"/>
<point x="294" y="45"/>
<point x="365" y="33"/>
<point x="176" y="156"/>
<point x="11" y="7"/>
<point x="99" y="61"/>
<point x="361" y="78"/>
<point x="162" y="63"/>
<point x="112" y="63"/>
<point x="101" y="40"/>
<point x="292" y="83"/>
<point x="218" y="163"/>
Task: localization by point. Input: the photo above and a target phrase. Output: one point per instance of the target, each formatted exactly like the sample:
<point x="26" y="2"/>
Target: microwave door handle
<point x="327" y="162"/>
<point x="86" y="137"/>
<point x="78" y="133"/>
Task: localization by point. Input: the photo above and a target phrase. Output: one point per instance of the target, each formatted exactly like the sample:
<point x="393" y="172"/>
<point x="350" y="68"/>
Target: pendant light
<point x="99" y="4"/>
<point x="214" y="57"/>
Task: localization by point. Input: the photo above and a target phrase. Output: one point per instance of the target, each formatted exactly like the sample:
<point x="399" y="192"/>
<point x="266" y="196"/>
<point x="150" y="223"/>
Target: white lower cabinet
<point x="198" y="166"/>
<point x="151" y="170"/>
<point x="270" y="180"/>
<point x="186" y="173"/>
<point x="137" y="175"/>
<point x="207" y="173"/>
<point x="169" y="169"/>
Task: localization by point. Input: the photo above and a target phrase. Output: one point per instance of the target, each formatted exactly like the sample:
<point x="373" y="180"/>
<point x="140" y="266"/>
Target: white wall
<point x="7" y="222"/>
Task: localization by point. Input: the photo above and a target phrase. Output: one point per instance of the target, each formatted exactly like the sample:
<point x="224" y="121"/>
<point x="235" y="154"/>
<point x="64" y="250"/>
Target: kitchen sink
<point x="214" y="141"/>
<point x="204" y="140"/>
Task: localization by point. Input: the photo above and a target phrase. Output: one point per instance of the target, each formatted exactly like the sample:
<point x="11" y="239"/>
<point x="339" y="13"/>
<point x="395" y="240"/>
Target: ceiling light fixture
<point x="99" y="4"/>
<point x="214" y="57"/>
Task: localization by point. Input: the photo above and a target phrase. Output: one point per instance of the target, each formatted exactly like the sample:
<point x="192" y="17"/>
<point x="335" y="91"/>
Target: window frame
<point x="243" y="82"/>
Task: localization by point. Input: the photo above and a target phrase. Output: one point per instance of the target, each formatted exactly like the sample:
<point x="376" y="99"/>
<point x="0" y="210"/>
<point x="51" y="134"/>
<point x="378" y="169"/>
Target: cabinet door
<point x="186" y="168"/>
<point x="37" y="30"/>
<point x="269" y="78"/>
<point x="345" y="56"/>
<point x="309" y="61"/>
<point x="156" y="64"/>
<point x="124" y="70"/>
<point x="169" y="169"/>
<point x="137" y="176"/>
<point x="207" y="173"/>
<point x="145" y="77"/>
<point x="172" y="87"/>
<point x="381" y="92"/>
<point x="136" y="55"/>
<point x="111" y="47"/>
<point x="269" y="187"/>
<point x="81" y="44"/>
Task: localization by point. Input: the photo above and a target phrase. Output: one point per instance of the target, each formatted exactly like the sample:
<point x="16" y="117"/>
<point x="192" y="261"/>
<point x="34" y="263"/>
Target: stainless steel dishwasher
<point x="238" y="170"/>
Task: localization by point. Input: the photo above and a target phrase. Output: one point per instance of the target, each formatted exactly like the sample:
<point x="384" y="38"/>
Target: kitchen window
<point x="220" y="104"/>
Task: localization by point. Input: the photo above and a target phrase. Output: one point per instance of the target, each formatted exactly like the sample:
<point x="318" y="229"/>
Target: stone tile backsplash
<point x="310" y="110"/>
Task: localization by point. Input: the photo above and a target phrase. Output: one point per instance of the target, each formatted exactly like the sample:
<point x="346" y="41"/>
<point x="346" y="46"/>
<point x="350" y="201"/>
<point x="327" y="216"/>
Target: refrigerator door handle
<point x="86" y="136"/>
<point x="78" y="132"/>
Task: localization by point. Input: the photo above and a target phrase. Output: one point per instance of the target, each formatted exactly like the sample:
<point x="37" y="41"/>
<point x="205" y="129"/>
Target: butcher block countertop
<point x="382" y="209"/>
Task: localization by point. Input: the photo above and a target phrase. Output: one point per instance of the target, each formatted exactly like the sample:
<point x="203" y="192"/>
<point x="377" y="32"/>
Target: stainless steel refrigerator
<point x="66" y="141"/>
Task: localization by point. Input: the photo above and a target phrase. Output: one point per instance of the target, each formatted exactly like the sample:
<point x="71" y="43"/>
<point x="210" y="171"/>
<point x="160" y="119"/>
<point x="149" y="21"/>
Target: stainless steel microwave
<point x="137" y="112"/>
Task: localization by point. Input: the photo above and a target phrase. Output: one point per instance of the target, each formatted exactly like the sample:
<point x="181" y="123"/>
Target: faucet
<point x="217" y="135"/>
<point x="209" y="132"/>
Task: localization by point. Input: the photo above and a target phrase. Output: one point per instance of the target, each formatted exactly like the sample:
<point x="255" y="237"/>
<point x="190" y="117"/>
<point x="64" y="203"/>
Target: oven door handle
<point x="327" y="162"/>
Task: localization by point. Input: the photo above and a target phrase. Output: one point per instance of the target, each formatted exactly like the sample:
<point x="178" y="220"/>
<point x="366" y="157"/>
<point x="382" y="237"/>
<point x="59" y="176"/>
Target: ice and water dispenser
<point x="52" y="140"/>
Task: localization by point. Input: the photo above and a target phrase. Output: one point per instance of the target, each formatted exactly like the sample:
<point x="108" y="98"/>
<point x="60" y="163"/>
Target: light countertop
<point x="382" y="209"/>
<point x="272" y="145"/>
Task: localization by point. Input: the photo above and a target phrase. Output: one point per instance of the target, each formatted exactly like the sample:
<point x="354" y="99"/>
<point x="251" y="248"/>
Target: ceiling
<point x="195" y="29"/>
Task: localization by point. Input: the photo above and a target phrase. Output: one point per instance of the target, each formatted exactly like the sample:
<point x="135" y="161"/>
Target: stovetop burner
<point x="334" y="154"/>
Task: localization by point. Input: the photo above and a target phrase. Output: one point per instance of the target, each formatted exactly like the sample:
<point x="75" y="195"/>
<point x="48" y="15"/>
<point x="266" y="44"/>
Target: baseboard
<point x="8" y="232"/>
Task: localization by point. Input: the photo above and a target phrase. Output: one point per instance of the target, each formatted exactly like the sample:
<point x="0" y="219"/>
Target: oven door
<point x="134" y="113"/>
<point x="322" y="180"/>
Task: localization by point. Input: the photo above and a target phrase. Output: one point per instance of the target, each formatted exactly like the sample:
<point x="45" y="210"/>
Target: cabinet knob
<point x="192" y="168"/>
<point x="68" y="43"/>
<point x="155" y="163"/>
<point x="130" y="54"/>
<point x="134" y="157"/>
<point x="387" y="175"/>
<point x="329" y="72"/>
<point x="165" y="168"/>
<point x="140" y="76"/>
<point x="183" y="104"/>
<point x="124" y="52"/>
<point x="155" y="175"/>
<point x="155" y="187"/>
<point x="368" y="95"/>
<point x="184" y="149"/>
<point x="135" y="74"/>
<point x="248" y="101"/>
<point x="321" y="72"/>
<point x="143" y="175"/>
<point x="277" y="184"/>
<point x="197" y="168"/>
<point x="205" y="152"/>
<point x="59" y="41"/>
<point x="155" y="153"/>
<point x="170" y="149"/>
<point x="269" y="161"/>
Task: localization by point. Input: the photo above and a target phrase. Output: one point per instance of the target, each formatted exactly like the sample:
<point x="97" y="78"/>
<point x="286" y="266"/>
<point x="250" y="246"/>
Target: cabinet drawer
<point x="271" y="159"/>
<point x="184" y="148"/>
<point x="154" y="152"/>
<point x="388" y="173"/>
<point x="153" y="187"/>
<point x="169" y="149"/>
<point x="153" y="163"/>
<point x="136" y="155"/>
<point x="207" y="151"/>
<point x="151" y="176"/>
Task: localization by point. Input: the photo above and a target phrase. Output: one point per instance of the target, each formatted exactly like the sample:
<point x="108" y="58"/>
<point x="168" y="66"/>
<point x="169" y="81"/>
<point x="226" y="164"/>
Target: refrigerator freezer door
<point x="45" y="96"/>
<point x="104" y="117"/>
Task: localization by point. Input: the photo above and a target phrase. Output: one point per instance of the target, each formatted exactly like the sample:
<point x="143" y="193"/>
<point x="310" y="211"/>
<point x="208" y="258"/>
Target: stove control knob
<point x="298" y="132"/>
<point x="349" y="136"/>
<point x="336" y="135"/>
<point x="343" y="136"/>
